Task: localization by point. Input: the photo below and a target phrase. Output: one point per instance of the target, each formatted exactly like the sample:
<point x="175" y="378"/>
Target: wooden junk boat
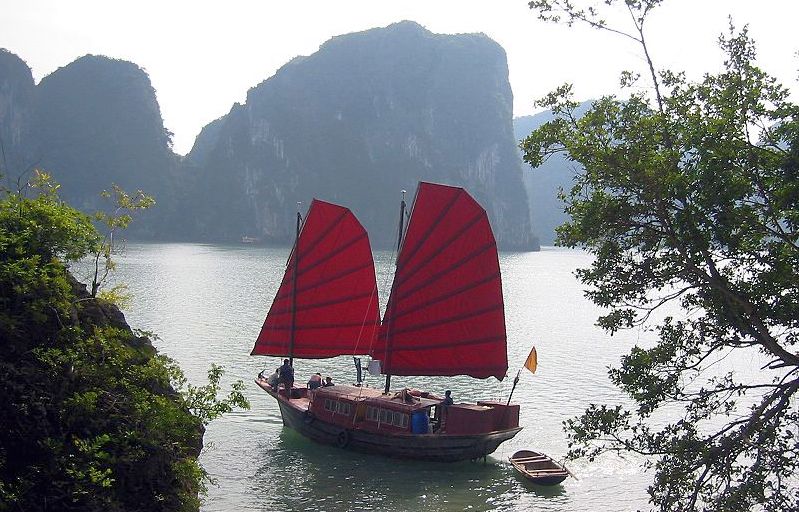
<point x="538" y="467"/>
<point x="444" y="317"/>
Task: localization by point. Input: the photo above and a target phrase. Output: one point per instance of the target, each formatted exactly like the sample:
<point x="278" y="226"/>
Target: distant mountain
<point x="98" y="123"/>
<point x="16" y="115"/>
<point x="363" y="118"/>
<point x="543" y="183"/>
<point x="366" y="116"/>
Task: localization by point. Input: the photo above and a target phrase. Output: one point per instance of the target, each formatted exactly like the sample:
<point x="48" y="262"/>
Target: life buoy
<point x="343" y="439"/>
<point x="308" y="417"/>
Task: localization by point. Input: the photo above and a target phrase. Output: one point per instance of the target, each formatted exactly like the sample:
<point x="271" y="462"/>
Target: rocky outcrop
<point x="16" y="114"/>
<point x="544" y="183"/>
<point x="98" y="123"/>
<point x="368" y="115"/>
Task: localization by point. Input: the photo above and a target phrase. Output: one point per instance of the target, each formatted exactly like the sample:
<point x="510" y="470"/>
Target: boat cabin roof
<point x="398" y="399"/>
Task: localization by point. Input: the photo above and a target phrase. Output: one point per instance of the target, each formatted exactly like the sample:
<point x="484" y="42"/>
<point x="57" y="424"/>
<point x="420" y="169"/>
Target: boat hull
<point x="538" y="468"/>
<point x="428" y="447"/>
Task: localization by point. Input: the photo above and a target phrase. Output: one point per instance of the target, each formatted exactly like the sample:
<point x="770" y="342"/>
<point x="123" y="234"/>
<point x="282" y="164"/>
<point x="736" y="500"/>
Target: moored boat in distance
<point x="444" y="317"/>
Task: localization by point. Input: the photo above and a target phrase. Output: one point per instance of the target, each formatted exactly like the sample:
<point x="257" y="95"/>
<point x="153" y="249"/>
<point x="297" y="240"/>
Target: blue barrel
<point x="420" y="422"/>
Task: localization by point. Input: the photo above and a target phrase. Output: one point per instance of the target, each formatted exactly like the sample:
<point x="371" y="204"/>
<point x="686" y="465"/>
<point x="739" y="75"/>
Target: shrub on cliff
<point x="89" y="418"/>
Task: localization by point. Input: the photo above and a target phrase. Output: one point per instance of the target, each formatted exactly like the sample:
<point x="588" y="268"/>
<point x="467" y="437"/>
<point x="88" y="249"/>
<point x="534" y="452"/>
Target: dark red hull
<point x="430" y="447"/>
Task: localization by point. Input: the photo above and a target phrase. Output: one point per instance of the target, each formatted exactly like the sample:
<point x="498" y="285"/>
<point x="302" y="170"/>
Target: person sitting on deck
<point x="328" y="381"/>
<point x="447" y="398"/>
<point x="315" y="381"/>
<point x="406" y="396"/>
<point x="274" y="379"/>
<point x="287" y="377"/>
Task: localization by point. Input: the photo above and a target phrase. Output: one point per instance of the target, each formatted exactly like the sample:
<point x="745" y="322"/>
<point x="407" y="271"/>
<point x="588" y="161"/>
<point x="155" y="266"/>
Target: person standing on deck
<point x="287" y="377"/>
<point x="447" y="398"/>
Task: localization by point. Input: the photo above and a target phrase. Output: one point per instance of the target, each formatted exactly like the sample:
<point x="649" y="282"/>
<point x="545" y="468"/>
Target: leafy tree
<point x="690" y="199"/>
<point x="124" y="206"/>
<point x="91" y="418"/>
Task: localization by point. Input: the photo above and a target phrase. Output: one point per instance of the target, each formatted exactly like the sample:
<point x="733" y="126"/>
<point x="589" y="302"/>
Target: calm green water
<point x="207" y="304"/>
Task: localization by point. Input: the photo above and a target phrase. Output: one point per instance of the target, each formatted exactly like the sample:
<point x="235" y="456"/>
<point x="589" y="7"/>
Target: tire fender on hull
<point x="343" y="439"/>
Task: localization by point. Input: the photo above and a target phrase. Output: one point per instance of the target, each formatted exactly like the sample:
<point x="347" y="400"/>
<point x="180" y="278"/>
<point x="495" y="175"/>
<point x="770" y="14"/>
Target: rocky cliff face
<point x="368" y="115"/>
<point x="16" y="114"/>
<point x="91" y="124"/>
<point x="98" y="123"/>
<point x="544" y="183"/>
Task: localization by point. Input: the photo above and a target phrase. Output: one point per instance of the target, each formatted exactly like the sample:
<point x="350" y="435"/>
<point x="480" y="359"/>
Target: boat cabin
<point x="407" y="412"/>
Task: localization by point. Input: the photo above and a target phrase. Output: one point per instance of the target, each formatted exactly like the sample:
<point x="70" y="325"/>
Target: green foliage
<point x="693" y="201"/>
<point x="91" y="419"/>
<point x="202" y="401"/>
<point x="118" y="219"/>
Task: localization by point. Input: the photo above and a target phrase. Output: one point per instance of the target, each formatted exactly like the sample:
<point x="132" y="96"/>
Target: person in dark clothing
<point x="447" y="398"/>
<point x="287" y="377"/>
<point x="328" y="381"/>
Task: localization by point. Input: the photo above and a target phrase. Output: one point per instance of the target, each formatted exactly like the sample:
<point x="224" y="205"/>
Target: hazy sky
<point x="202" y="56"/>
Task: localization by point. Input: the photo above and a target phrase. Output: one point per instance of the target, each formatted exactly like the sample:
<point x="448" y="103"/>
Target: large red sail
<point x="336" y="307"/>
<point x="445" y="315"/>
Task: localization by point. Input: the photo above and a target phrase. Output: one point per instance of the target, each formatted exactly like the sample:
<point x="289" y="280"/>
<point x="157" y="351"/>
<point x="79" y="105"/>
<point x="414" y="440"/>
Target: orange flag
<point x="532" y="361"/>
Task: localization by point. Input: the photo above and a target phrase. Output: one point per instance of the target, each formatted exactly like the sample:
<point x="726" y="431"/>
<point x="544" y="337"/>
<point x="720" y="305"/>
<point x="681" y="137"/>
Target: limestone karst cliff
<point x="366" y="116"/>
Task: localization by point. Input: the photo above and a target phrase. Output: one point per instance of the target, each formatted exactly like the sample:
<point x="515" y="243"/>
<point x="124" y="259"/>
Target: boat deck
<point x="302" y="403"/>
<point x="356" y="394"/>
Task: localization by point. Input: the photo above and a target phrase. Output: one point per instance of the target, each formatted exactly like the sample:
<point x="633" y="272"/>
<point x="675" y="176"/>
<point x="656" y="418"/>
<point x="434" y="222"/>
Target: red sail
<point x="336" y="307"/>
<point x="445" y="315"/>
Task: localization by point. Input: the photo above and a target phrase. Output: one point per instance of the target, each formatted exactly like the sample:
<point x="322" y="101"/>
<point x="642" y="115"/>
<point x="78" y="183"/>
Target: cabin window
<point x="387" y="416"/>
<point x="337" y="407"/>
<point x="372" y="413"/>
<point x="344" y="408"/>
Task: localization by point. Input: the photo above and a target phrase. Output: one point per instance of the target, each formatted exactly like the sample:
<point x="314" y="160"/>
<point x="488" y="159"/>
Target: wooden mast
<point x="294" y="285"/>
<point x="399" y="244"/>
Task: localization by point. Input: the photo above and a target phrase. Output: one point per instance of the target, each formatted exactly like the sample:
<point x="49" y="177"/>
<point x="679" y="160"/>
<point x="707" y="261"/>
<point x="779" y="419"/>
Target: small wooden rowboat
<point x="539" y="468"/>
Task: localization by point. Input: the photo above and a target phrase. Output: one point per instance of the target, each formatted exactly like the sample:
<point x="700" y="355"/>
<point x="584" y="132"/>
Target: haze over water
<point x="207" y="303"/>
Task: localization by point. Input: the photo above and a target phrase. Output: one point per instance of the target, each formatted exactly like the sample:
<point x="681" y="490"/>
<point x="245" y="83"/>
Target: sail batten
<point x="442" y="321"/>
<point x="341" y="274"/>
<point x="463" y="343"/>
<point x="449" y="295"/>
<point x="326" y="303"/>
<point x="445" y="314"/>
<point x="439" y="246"/>
<point x="342" y="247"/>
<point x="431" y="282"/>
<point x="332" y="308"/>
<point x="421" y="240"/>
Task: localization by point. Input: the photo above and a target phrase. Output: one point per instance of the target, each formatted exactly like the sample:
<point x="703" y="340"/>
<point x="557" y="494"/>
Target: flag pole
<point x="515" y="381"/>
<point x="531" y="364"/>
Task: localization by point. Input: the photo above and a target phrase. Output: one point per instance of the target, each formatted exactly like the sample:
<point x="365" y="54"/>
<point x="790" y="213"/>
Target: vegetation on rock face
<point x="89" y="415"/>
<point x="691" y="199"/>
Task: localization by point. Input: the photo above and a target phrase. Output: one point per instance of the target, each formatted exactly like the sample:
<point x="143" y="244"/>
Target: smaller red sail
<point x="445" y="315"/>
<point x="335" y="311"/>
